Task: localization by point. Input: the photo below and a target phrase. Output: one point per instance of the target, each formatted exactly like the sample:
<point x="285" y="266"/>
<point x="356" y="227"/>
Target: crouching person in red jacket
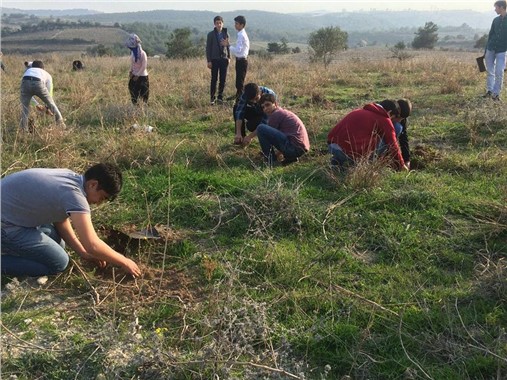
<point x="359" y="133"/>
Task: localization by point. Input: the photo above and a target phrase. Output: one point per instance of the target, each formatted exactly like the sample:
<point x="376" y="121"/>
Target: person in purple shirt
<point x="284" y="131"/>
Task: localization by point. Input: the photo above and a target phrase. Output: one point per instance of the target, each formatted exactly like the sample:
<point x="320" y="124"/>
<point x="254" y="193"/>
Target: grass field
<point x="294" y="272"/>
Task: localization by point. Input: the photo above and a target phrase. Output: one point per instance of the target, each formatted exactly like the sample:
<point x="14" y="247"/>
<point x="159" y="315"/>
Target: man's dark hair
<point x="267" y="98"/>
<point x="391" y="105"/>
<point x="218" y="18"/>
<point x="251" y="91"/>
<point x="405" y="107"/>
<point x="240" y="20"/>
<point x="501" y="4"/>
<point x="38" y="64"/>
<point x="108" y="176"/>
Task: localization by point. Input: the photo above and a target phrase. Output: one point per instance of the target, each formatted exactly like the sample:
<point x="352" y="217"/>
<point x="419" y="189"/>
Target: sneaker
<point x="220" y="100"/>
<point x="212" y="101"/>
<point x="488" y="94"/>
<point x="496" y="98"/>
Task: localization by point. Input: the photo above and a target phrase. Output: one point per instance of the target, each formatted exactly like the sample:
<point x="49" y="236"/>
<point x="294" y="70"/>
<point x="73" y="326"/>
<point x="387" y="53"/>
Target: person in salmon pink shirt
<point x="139" y="85"/>
<point x="283" y="131"/>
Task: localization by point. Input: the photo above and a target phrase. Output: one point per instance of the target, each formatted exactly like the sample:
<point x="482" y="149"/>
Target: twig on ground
<point x="21" y="304"/>
<point x="25" y="342"/>
<point x="406" y="353"/>
<point x="479" y="346"/>
<point x="169" y="200"/>
<point x="97" y="296"/>
<point x="355" y="295"/>
<point x="88" y="358"/>
<point x="231" y="362"/>
<point x="331" y="208"/>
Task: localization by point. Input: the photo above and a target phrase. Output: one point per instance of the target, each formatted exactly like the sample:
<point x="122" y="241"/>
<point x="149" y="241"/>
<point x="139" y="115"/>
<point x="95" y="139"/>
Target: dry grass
<point x="218" y="323"/>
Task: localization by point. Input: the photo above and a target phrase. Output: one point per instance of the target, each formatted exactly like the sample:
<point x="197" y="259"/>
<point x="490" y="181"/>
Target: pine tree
<point x="426" y="37"/>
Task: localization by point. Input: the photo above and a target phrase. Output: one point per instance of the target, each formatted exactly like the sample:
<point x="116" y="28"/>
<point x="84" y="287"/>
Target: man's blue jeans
<point x="382" y="146"/>
<point x="32" y="251"/>
<point x="495" y="64"/>
<point x="339" y="157"/>
<point x="270" y="137"/>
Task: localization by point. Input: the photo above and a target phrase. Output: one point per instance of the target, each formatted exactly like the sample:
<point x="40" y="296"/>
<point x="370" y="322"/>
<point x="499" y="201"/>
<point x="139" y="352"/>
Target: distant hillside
<point x="459" y="28"/>
<point x="66" y="40"/>
<point x="264" y="20"/>
<point x="290" y="23"/>
<point x="50" y="12"/>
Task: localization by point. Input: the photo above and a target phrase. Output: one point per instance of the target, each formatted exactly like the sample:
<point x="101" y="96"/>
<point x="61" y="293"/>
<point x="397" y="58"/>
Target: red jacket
<point x="359" y="133"/>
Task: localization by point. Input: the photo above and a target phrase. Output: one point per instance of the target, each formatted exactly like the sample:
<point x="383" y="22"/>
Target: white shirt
<point x="45" y="78"/>
<point x="42" y="74"/>
<point x="240" y="50"/>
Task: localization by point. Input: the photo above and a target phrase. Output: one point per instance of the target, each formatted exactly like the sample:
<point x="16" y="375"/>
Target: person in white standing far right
<point x="495" y="52"/>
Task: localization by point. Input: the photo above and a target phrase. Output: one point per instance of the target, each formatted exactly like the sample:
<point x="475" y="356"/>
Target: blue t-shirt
<point x="34" y="197"/>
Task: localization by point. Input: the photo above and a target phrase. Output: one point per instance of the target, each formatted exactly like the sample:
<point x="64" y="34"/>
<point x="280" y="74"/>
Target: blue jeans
<point x="495" y="64"/>
<point x="382" y="146"/>
<point x="270" y="138"/>
<point x="339" y="156"/>
<point x="32" y="252"/>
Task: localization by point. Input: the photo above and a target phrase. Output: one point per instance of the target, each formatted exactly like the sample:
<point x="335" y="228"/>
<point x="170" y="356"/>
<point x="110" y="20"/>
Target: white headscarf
<point x="133" y="41"/>
<point x="134" y="44"/>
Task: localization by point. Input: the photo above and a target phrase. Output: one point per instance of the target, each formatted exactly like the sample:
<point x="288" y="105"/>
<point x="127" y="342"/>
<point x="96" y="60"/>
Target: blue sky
<point x="282" y="6"/>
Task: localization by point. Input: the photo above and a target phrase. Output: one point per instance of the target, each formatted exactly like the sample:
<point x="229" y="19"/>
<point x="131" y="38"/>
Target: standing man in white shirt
<point x="37" y="82"/>
<point x="240" y="51"/>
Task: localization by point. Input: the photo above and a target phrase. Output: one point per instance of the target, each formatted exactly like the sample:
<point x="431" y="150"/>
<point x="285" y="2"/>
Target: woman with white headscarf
<point x="139" y="86"/>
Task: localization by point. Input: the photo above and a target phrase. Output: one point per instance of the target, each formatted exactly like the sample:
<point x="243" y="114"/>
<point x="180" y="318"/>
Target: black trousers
<point x="139" y="88"/>
<point x="218" y="67"/>
<point x="241" y="69"/>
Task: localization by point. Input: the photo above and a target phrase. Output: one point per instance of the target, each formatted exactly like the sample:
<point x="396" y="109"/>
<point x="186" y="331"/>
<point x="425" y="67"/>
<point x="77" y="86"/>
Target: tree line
<point x="188" y="42"/>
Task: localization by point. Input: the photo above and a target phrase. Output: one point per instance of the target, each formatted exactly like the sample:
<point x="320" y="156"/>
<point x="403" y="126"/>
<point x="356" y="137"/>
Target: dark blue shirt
<point x="240" y="109"/>
<point x="497" y="39"/>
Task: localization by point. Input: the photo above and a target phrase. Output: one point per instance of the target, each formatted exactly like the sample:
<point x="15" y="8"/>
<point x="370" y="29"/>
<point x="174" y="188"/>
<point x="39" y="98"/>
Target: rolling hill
<point x="372" y="27"/>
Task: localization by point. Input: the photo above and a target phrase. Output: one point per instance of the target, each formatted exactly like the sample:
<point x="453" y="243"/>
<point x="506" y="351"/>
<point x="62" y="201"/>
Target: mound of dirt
<point x="422" y="155"/>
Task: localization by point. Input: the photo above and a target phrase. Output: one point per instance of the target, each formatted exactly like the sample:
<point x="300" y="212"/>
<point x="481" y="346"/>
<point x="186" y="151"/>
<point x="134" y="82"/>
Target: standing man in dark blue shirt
<point x="495" y="52"/>
<point x="218" y="57"/>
